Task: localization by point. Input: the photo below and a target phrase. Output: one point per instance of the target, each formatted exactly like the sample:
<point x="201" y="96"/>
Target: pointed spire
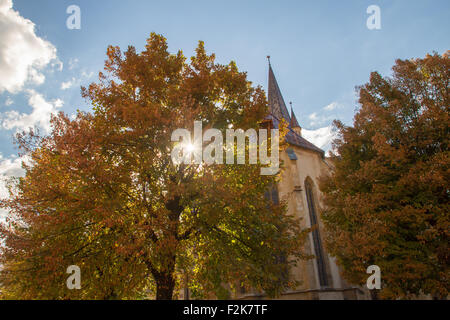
<point x="278" y="110"/>
<point x="294" y="123"/>
<point x="277" y="106"/>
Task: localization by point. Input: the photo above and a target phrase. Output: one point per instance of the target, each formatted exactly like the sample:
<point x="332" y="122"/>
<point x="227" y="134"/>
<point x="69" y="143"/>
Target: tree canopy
<point x="101" y="191"/>
<point x="387" y="201"/>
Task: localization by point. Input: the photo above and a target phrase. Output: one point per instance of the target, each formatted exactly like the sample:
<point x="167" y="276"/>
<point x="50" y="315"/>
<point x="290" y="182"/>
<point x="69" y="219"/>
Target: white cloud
<point x="23" y="54"/>
<point x="332" y="106"/>
<point x="36" y="77"/>
<point x="321" y="137"/>
<point x="73" y="63"/>
<point x="40" y="116"/>
<point x="8" y="101"/>
<point x="9" y="167"/>
<point x="57" y="64"/>
<point x="67" y="84"/>
<point x="319" y="119"/>
<point x="87" y="75"/>
<point x="70" y="83"/>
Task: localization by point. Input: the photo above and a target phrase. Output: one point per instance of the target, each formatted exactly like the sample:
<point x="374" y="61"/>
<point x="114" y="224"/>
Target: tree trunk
<point x="374" y="294"/>
<point x="165" y="283"/>
<point x="165" y="280"/>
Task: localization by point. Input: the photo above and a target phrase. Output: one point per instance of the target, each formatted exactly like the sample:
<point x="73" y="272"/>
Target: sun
<point x="189" y="147"/>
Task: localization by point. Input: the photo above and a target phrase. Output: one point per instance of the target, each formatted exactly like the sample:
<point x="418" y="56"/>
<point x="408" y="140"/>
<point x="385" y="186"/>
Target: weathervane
<point x="268" y="59"/>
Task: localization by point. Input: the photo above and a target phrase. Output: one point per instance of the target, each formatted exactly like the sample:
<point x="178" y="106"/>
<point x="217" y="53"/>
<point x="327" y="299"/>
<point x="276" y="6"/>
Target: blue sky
<point x="320" y="50"/>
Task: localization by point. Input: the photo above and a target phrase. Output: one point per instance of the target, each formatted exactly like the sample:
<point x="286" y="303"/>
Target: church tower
<point x="303" y="163"/>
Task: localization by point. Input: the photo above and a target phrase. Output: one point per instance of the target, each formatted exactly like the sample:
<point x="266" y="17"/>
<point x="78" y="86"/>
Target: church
<point x="303" y="164"/>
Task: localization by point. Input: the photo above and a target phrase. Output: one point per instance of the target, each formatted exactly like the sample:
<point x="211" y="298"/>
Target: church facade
<point x="303" y="164"/>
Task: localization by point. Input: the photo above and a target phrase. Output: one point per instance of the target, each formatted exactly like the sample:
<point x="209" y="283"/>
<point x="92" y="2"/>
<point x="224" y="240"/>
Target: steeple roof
<point x="294" y="122"/>
<point x="276" y="102"/>
<point x="278" y="111"/>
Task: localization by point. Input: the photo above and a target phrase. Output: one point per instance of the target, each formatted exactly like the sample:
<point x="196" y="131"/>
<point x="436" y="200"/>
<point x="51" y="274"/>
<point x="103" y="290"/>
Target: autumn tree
<point x="388" y="197"/>
<point x="101" y="191"/>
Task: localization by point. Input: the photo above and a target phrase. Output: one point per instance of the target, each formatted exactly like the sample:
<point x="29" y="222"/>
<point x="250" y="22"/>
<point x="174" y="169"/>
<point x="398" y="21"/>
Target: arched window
<point x="318" y="250"/>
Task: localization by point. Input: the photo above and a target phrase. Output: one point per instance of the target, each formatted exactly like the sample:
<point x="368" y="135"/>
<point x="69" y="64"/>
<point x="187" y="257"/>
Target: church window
<point x="291" y="154"/>
<point x="321" y="268"/>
